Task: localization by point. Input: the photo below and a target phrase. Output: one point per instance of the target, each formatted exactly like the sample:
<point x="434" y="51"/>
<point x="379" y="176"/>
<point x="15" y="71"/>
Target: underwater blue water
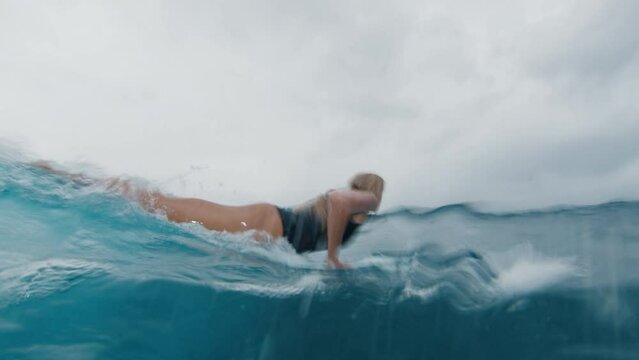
<point x="84" y="274"/>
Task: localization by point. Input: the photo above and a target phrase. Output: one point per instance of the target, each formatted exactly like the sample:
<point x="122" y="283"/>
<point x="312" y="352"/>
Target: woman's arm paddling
<point x="341" y="206"/>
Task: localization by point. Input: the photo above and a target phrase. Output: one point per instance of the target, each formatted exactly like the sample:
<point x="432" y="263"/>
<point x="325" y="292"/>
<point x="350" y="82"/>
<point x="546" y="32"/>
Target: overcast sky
<point x="519" y="103"/>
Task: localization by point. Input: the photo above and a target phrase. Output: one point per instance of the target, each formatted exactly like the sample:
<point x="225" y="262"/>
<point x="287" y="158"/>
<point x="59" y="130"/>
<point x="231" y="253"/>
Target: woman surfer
<point x="325" y="222"/>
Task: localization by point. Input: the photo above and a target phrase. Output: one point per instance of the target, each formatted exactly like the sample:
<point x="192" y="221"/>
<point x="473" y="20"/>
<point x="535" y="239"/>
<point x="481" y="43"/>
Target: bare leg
<point x="78" y="178"/>
<point x="213" y="216"/>
<point x="260" y="217"/>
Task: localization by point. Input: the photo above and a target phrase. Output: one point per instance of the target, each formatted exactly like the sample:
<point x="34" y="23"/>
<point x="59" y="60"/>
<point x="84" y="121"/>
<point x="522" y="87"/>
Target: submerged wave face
<point x="85" y="274"/>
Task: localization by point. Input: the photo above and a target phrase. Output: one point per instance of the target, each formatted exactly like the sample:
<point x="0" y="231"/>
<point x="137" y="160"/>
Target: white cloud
<point x="525" y="103"/>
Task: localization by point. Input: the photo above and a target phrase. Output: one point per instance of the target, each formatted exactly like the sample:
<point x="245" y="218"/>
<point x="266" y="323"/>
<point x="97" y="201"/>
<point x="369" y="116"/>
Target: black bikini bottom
<point x="302" y="229"/>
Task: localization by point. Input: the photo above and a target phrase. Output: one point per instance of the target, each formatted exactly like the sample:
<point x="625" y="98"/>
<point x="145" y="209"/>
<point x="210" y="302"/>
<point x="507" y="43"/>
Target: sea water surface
<point x="85" y="274"/>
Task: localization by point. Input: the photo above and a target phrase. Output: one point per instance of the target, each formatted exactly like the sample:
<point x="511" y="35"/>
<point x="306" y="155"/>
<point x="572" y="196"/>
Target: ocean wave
<point x="429" y="264"/>
<point x="70" y="249"/>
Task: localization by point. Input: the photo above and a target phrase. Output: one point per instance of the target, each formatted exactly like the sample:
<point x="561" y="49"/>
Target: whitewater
<point x="86" y="274"/>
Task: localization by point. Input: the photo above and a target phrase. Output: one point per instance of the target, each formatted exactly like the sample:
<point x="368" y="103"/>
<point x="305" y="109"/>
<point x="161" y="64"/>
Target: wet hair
<point x="361" y="181"/>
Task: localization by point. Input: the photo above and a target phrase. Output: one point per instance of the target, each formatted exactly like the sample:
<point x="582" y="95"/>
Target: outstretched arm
<point x="341" y="205"/>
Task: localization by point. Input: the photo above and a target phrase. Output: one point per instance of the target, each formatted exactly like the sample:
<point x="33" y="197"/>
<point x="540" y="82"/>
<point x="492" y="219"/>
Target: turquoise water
<point x="85" y="274"/>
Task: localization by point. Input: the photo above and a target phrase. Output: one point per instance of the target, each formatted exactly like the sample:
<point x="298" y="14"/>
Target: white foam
<point x="308" y="283"/>
<point x="529" y="275"/>
<point x="423" y="294"/>
<point x="383" y="262"/>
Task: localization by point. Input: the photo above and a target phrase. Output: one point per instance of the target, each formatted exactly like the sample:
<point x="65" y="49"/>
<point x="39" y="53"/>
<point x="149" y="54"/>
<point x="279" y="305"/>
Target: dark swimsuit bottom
<point x="305" y="231"/>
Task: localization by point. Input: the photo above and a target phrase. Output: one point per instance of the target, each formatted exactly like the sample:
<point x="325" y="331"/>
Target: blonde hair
<point x="361" y="181"/>
<point x="368" y="182"/>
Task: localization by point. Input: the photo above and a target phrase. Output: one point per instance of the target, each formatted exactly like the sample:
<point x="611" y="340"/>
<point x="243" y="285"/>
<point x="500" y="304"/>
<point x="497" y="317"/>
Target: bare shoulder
<point x="355" y="201"/>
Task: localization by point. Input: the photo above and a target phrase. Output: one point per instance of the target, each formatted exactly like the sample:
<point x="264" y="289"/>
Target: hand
<point x="334" y="263"/>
